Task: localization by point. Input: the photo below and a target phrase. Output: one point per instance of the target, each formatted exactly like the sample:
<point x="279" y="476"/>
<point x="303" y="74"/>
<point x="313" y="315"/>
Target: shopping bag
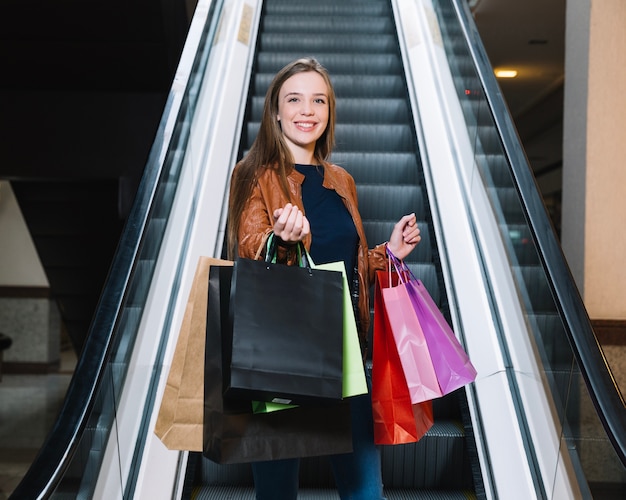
<point x="354" y="382"/>
<point x="233" y="433"/>
<point x="287" y="335"/>
<point x="267" y="407"/>
<point x="450" y="361"/>
<point x="396" y="419"/>
<point x="179" y="421"/>
<point x="411" y="344"/>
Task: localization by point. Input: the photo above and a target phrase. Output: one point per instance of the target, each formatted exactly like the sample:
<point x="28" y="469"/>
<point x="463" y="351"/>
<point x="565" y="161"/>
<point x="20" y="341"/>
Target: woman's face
<point x="303" y="113"/>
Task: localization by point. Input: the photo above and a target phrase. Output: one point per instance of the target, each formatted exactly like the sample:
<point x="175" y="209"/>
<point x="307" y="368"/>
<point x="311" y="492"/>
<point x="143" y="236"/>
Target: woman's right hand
<point x="290" y="224"/>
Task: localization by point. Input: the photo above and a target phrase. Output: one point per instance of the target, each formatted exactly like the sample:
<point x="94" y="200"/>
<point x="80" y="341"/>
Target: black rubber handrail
<point x="60" y="446"/>
<point x="606" y="397"/>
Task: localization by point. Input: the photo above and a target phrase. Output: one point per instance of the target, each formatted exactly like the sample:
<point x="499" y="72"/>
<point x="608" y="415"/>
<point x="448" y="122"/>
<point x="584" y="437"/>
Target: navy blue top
<point x="334" y="236"/>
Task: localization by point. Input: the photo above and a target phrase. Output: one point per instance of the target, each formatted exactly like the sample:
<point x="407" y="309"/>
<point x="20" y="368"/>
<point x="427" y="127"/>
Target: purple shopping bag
<point x="450" y="361"/>
<point x="410" y="342"/>
<point x="452" y="364"/>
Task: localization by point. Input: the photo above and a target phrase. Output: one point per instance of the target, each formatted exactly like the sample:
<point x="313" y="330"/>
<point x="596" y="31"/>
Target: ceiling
<point x="529" y="36"/>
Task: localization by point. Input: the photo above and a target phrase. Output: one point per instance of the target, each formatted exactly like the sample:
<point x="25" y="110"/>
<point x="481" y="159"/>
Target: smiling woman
<point x="285" y="186"/>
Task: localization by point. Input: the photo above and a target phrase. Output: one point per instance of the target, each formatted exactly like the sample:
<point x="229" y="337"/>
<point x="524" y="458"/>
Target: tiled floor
<point x="29" y="405"/>
<point x="616" y="357"/>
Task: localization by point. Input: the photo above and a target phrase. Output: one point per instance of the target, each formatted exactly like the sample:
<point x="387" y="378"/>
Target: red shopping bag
<point x="396" y="419"/>
<point x="450" y="361"/>
<point x="407" y="333"/>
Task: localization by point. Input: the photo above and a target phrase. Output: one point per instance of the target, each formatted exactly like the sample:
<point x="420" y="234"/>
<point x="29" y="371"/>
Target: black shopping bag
<point x="287" y="344"/>
<point x="233" y="433"/>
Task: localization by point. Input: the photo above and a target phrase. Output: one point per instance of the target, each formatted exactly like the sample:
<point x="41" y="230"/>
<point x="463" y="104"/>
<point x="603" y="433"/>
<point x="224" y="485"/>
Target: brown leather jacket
<point x="257" y="223"/>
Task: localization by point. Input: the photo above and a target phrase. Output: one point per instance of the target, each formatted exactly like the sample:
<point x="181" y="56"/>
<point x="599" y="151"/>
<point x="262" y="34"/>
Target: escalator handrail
<point x="606" y="398"/>
<point x="61" y="443"/>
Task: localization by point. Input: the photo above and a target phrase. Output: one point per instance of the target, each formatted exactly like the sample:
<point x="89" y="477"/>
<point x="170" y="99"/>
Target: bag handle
<point x="404" y="273"/>
<point x="304" y="259"/>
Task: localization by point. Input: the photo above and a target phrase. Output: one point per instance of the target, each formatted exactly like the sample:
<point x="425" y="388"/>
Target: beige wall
<point x="19" y="263"/>
<point x="594" y="156"/>
<point x="33" y="323"/>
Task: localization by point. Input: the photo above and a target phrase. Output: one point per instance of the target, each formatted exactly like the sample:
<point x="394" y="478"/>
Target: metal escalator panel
<point x="375" y="141"/>
<point x="589" y="408"/>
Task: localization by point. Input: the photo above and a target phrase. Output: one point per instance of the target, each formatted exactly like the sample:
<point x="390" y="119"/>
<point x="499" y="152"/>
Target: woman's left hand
<point x="404" y="237"/>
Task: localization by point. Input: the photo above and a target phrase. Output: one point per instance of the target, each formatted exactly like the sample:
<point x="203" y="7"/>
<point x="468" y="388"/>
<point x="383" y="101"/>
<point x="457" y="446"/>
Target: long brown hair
<point x="269" y="149"/>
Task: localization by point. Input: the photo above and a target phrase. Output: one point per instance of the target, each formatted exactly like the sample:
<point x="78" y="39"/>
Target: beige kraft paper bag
<point x="180" y="418"/>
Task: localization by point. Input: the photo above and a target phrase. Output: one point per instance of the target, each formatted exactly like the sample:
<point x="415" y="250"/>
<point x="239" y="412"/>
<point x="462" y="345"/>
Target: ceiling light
<point x="506" y="73"/>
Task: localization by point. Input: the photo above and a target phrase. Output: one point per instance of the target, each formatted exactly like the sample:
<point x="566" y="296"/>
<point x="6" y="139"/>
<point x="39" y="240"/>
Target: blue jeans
<point x="357" y="474"/>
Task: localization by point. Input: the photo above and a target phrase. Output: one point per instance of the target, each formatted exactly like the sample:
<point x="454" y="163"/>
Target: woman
<point x="284" y="176"/>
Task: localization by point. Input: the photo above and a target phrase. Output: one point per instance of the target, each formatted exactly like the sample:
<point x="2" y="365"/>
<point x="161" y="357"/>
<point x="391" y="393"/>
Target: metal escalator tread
<point x="287" y="24"/>
<point x="335" y="62"/>
<point x="328" y="8"/>
<point x="247" y="493"/>
<point x="307" y="42"/>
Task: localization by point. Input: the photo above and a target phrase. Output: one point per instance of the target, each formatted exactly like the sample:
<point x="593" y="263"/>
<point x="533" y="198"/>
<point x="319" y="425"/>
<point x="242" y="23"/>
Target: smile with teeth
<point x="305" y="125"/>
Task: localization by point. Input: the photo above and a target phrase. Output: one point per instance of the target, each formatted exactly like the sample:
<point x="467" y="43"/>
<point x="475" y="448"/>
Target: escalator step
<point x="537" y="293"/>
<point x="336" y="63"/>
<point x="381" y="111"/>
<point x="367" y="137"/>
<point x="314" y="42"/>
<point x="508" y="203"/>
<point x="328" y="8"/>
<point x="518" y="235"/>
<point x="497" y="168"/>
<point x="247" y="493"/>
<point x="377" y="168"/>
<point x="337" y="24"/>
<point x="388" y="202"/>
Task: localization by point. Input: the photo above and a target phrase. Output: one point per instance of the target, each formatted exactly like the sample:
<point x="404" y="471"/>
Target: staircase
<point x="356" y="41"/>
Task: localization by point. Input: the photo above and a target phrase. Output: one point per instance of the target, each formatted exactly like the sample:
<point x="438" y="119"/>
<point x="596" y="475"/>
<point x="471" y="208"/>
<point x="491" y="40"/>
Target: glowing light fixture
<point x="506" y="73"/>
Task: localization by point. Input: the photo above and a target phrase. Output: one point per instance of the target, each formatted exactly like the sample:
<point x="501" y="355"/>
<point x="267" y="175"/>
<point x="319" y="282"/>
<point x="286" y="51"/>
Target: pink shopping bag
<point x="410" y="342"/>
<point x="450" y="361"/>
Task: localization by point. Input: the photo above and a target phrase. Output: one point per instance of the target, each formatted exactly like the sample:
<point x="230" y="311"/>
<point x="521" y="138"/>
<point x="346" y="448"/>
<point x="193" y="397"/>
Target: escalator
<point x="358" y="45"/>
<point x="583" y="393"/>
<point x="384" y="139"/>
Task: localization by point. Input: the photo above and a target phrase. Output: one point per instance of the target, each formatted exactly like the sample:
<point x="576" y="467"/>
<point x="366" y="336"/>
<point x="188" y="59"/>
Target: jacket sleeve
<point x="255" y="228"/>
<point x="377" y="260"/>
